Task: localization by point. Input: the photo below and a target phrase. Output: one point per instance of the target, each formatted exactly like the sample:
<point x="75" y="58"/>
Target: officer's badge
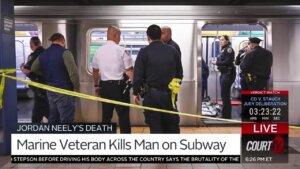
<point x="229" y="50"/>
<point x="30" y="57"/>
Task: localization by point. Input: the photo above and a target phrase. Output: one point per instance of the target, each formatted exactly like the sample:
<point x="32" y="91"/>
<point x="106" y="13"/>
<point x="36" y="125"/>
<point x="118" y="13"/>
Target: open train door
<point x="210" y="34"/>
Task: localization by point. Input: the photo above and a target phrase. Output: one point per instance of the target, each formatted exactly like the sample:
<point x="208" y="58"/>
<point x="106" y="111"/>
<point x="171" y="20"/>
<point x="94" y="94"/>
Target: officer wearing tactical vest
<point x="257" y="66"/>
<point x="58" y="66"/>
<point x="227" y="69"/>
<point x="155" y="67"/>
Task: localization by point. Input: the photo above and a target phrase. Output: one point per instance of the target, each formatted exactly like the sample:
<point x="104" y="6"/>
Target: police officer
<point x="58" y="66"/>
<point x="239" y="59"/>
<point x="41" y="105"/>
<point x="166" y="37"/>
<point x="110" y="63"/>
<point x="205" y="74"/>
<point x="257" y="66"/>
<point x="227" y="69"/>
<point x="155" y="67"/>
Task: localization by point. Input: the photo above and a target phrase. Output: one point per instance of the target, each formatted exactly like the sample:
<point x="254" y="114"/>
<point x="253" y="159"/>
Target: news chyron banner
<point x="265" y="126"/>
<point x="99" y="143"/>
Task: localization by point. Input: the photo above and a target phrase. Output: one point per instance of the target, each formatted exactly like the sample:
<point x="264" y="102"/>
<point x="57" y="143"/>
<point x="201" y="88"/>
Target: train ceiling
<point x="152" y="2"/>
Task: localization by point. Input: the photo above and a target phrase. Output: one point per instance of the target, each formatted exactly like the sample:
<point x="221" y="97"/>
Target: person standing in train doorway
<point x="166" y="37"/>
<point x="239" y="59"/>
<point x="227" y="69"/>
<point x="41" y="105"/>
<point x="155" y="67"/>
<point x="257" y="66"/>
<point x="111" y="61"/>
<point x="58" y="66"/>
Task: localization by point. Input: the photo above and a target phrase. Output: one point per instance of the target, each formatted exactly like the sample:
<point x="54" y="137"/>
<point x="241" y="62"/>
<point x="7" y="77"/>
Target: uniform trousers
<point x="114" y="91"/>
<point x="226" y="81"/>
<point x="40" y="106"/>
<point x="259" y="84"/>
<point x="157" y="121"/>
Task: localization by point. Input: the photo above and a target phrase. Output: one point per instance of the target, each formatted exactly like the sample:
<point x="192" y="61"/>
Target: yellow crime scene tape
<point x="4" y="73"/>
<point x="2" y="84"/>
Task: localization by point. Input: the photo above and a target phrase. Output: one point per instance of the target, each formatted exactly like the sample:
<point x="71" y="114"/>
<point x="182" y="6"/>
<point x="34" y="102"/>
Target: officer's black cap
<point x="255" y="40"/>
<point x="56" y="36"/>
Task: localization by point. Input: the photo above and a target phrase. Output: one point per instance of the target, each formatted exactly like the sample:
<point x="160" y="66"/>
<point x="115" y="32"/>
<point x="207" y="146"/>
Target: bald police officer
<point x="257" y="66"/>
<point x="155" y="67"/>
<point x="109" y="64"/>
<point x="166" y="37"/>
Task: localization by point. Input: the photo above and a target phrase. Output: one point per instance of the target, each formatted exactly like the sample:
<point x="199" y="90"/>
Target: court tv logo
<point x="276" y="145"/>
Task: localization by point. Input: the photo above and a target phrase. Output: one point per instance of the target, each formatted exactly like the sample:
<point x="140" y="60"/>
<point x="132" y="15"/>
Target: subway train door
<point x="239" y="34"/>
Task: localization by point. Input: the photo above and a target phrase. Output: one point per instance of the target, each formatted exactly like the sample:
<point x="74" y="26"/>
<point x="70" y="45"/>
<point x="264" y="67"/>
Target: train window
<point x="23" y="34"/>
<point x="132" y="39"/>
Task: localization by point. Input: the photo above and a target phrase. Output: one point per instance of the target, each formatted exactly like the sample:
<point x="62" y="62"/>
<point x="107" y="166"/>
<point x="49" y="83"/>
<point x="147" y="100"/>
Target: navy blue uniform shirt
<point x="175" y="45"/>
<point x="31" y="58"/>
<point x="225" y="60"/>
<point x="156" y="64"/>
<point x="258" y="62"/>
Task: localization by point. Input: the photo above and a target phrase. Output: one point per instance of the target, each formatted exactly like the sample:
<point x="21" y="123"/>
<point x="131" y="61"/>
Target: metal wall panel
<point x="294" y="90"/>
<point x="286" y="51"/>
<point x="286" y="61"/>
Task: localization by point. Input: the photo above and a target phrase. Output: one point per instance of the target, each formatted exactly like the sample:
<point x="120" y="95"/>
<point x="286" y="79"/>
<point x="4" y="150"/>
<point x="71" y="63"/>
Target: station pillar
<point x="8" y="113"/>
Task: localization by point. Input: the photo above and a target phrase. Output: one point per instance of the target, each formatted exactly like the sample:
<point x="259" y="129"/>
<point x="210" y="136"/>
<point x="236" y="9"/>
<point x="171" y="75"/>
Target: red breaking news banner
<point x="265" y="126"/>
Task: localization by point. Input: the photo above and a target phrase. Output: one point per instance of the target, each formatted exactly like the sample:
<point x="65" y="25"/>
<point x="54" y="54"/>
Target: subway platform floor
<point x="294" y="155"/>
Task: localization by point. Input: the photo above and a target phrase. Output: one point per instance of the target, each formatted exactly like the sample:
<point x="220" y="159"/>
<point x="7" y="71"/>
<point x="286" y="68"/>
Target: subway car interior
<point x="196" y="29"/>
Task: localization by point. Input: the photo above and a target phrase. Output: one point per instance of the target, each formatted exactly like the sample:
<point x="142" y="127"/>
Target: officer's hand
<point x="136" y="99"/>
<point x="241" y="51"/>
<point x="97" y="91"/>
<point x="213" y="62"/>
<point x="21" y="66"/>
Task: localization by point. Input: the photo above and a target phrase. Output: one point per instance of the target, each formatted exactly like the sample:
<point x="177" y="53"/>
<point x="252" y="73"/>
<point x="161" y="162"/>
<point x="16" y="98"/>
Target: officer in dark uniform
<point x="227" y="69"/>
<point x="257" y="66"/>
<point x="205" y="74"/>
<point x="41" y="105"/>
<point x="166" y="37"/>
<point x="239" y="59"/>
<point x="155" y="67"/>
